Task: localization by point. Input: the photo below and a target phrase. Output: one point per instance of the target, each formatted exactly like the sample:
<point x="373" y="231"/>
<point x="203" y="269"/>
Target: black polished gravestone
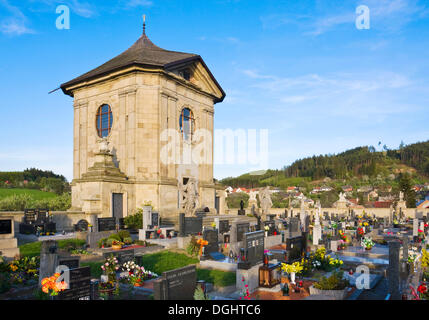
<point x="223" y="226"/>
<point x="79" y="286"/>
<point x="71" y="262"/>
<point x="253" y="249"/>
<point x="178" y="284"/>
<point x="155" y="219"/>
<point x="242" y="228"/>
<point x="81" y="226"/>
<point x="42" y="216"/>
<point x="189" y="225"/>
<point x="211" y="236"/>
<point x="123" y="255"/>
<point x="106" y="224"/>
<point x="28" y="225"/>
<point x="6" y="226"/>
<point x="30" y="216"/>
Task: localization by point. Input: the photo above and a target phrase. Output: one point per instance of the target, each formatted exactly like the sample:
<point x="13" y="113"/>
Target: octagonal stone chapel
<point x="129" y="113"/>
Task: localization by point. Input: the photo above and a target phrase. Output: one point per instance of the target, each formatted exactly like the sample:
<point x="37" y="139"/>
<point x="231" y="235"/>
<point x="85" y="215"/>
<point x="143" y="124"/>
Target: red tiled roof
<point x="382" y="204"/>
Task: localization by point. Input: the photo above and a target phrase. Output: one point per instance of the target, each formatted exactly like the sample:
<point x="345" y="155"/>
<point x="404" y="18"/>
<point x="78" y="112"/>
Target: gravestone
<point x="178" y="284"/>
<point x="211" y="236"/>
<point x="253" y="250"/>
<point x="155" y="219"/>
<point x="123" y="255"/>
<point x="242" y="228"/>
<point x="79" y="286"/>
<point x="293" y="228"/>
<point x="30" y="216"/>
<point x="415" y="227"/>
<point x="106" y="224"/>
<point x="8" y="242"/>
<point x="70" y="262"/>
<point x="48" y="259"/>
<point x="393" y="270"/>
<point x="81" y="226"/>
<point x="6" y="226"/>
<point x="294" y="248"/>
<point x="189" y="225"/>
<point x="223" y="226"/>
<point x="42" y="216"/>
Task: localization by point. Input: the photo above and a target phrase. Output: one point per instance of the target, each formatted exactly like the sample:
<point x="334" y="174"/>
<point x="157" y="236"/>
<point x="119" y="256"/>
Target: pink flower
<point x="107" y="264"/>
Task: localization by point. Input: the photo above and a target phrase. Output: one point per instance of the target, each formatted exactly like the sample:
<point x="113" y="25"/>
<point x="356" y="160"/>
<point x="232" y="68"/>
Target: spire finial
<point x="144" y="24"/>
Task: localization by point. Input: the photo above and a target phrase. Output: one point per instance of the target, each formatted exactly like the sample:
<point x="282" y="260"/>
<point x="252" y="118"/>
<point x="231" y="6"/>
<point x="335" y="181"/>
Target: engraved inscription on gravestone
<point x="6" y="226"/>
<point x="223" y="226"/>
<point x="242" y="228"/>
<point x="106" y="224"/>
<point x="79" y="285"/>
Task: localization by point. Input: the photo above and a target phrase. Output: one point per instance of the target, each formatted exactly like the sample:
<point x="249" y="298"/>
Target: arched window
<point x="104" y="120"/>
<point x="187" y="124"/>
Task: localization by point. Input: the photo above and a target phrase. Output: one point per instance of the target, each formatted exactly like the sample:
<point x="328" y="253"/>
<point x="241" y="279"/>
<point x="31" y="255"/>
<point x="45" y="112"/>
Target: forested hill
<point x="357" y="162"/>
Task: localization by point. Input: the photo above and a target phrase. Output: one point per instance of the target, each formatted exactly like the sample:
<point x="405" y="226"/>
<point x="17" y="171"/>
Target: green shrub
<point x="193" y="248"/>
<point x="124" y="234"/>
<point x="334" y="282"/>
<point x="19" y="202"/>
<point x="115" y="236"/>
<point x="128" y="240"/>
<point x="16" y="202"/>
<point x="109" y="242"/>
<point x="135" y="221"/>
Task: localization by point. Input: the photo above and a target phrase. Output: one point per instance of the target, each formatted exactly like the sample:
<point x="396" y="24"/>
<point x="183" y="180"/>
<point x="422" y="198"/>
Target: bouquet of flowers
<point x="292" y="268"/>
<point x="336" y="263"/>
<point x="110" y="267"/>
<point x="52" y="286"/>
<point x="367" y="243"/>
<point x="360" y="231"/>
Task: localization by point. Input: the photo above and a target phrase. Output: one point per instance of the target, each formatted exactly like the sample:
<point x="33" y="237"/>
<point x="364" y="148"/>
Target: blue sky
<point x="300" y="69"/>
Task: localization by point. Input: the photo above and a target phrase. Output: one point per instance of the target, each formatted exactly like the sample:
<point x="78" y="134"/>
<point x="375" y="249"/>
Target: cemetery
<point x="140" y="228"/>
<point x="310" y="256"/>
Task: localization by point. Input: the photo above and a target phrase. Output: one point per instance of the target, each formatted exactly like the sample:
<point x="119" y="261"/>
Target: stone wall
<point x="379" y="212"/>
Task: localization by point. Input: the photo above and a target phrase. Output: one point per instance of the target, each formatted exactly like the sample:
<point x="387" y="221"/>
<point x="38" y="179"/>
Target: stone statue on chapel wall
<point x="188" y="196"/>
<point x="103" y="145"/>
<point x="265" y="199"/>
<point x="401" y="196"/>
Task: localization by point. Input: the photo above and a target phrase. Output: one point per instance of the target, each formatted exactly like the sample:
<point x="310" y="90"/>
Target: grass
<point x="32" y="249"/>
<point x="217" y="277"/>
<point x="156" y="262"/>
<point x="35" y="194"/>
<point x="166" y="260"/>
<point x="96" y="271"/>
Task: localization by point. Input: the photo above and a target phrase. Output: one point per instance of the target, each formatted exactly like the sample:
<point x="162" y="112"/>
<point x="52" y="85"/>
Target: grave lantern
<point x="269" y="275"/>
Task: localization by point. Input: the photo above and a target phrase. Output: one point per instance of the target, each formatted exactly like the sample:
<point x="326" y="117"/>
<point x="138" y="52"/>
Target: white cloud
<point x="16" y="23"/>
<point x="139" y="3"/>
<point x="385" y="15"/>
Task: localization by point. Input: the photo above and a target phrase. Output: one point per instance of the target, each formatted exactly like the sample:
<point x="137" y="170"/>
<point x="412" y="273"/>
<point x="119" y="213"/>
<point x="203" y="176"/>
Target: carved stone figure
<point x="188" y="195"/>
<point x="265" y="199"/>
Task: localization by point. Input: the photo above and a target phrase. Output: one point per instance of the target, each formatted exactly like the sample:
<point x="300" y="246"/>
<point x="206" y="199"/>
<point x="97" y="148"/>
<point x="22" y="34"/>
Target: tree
<point x="405" y="187"/>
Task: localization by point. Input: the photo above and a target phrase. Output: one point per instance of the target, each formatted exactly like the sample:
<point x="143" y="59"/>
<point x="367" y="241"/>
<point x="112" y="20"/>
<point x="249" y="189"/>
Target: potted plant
<point x="267" y="228"/>
<point x="367" y="243"/>
<point x="334" y="286"/>
<point x="117" y="245"/>
<point x="292" y="270"/>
